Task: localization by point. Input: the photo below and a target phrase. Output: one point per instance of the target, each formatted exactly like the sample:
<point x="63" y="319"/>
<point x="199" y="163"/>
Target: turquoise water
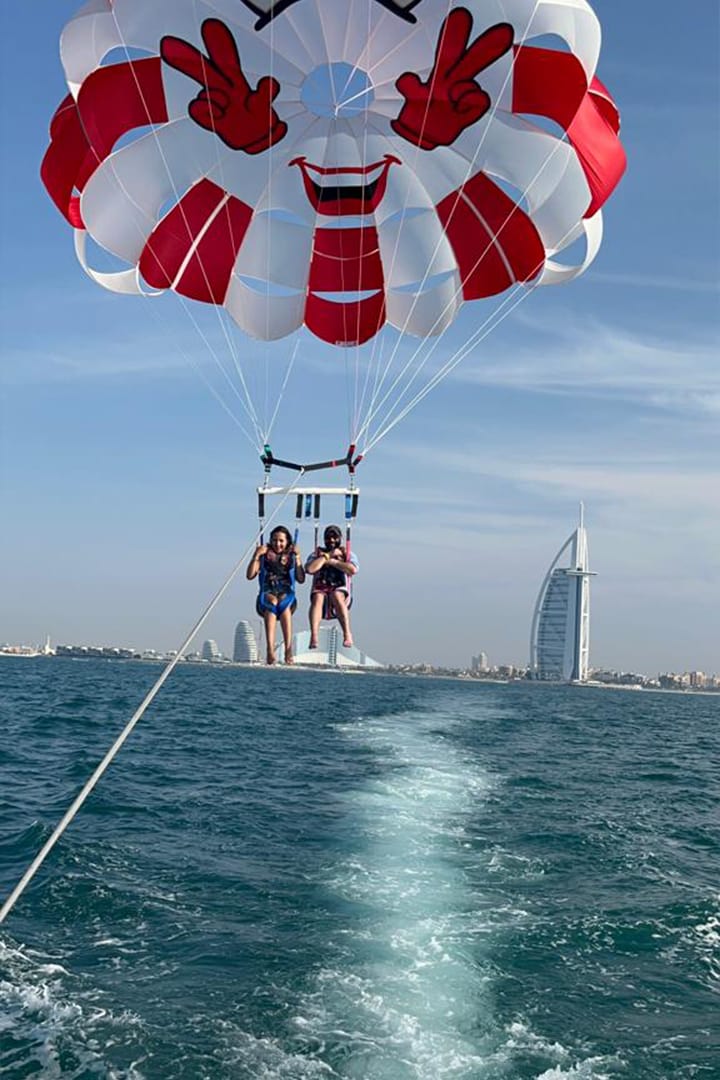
<point x="292" y="874"/>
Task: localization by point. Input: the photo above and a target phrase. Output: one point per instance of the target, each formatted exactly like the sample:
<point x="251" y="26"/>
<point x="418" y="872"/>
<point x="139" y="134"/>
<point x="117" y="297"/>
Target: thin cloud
<point x="592" y="360"/>
<point x="653" y="483"/>
<point x="90" y="361"/>
<point x="655" y="281"/>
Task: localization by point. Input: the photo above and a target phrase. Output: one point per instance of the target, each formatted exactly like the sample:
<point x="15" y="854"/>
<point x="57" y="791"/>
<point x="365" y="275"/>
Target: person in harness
<point x="279" y="566"/>
<point x="331" y="567"/>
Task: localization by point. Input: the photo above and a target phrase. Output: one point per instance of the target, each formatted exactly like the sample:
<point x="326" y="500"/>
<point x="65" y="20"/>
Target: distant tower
<point x="333" y="646"/>
<point x="480" y="662"/>
<point x="560" y="634"/>
<point x="245" y="650"/>
<point x="210" y="650"/>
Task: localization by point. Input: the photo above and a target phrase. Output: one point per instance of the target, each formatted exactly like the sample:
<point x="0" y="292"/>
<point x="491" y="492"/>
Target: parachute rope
<point x="373" y="408"/>
<point x="377" y="388"/>
<point x="247" y="401"/>
<point x="281" y="394"/>
<point x="193" y="363"/>
<point x="512" y="300"/>
<point x="475" y="336"/>
<point x="75" y="806"/>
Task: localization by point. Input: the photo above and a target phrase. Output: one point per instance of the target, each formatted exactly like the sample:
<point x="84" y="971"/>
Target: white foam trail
<point x="40" y="1021"/>
<point x="410" y="992"/>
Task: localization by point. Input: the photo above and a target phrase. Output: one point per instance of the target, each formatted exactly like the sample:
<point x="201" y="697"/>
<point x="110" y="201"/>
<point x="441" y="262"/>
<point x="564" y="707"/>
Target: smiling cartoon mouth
<point x="352" y="190"/>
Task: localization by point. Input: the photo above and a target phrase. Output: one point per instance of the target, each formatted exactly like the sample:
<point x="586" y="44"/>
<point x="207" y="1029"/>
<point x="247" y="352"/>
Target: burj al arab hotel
<point x="560" y="634"/>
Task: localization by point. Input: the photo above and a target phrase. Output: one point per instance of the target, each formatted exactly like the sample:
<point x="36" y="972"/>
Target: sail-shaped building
<point x="560" y="634"/>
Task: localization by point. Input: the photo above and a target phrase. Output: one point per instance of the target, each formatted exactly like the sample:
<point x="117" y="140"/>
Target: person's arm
<point x="299" y="568"/>
<point x="348" y="566"/>
<point x="317" y="561"/>
<point x="253" y="567"/>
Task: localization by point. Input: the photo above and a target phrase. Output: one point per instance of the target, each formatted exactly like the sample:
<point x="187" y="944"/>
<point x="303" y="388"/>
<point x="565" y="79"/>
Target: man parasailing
<point x="331" y="566"/>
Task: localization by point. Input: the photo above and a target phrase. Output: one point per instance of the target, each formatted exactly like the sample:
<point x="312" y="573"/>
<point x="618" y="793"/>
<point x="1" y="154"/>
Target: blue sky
<point x="128" y="491"/>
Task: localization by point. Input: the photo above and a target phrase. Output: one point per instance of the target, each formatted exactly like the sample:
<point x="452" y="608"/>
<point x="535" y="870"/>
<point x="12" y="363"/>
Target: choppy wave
<point x="366" y="879"/>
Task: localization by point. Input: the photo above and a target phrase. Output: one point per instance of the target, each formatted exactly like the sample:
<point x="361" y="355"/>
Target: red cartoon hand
<point x="243" y="118"/>
<point x="437" y="111"/>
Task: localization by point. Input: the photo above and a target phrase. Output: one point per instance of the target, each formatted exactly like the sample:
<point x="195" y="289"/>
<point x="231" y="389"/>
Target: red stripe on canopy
<point x="345" y="323"/>
<point x="64" y="160"/>
<point x="112" y="101"/>
<point x="593" y="134"/>
<point x="550" y="83"/>
<point x="345" y="260"/>
<point x="198" y="240"/>
<point x="494" y="241"/>
<point x="120" y="97"/>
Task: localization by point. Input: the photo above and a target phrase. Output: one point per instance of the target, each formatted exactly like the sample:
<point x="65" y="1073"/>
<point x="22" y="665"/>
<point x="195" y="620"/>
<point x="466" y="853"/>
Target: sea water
<point x="310" y="875"/>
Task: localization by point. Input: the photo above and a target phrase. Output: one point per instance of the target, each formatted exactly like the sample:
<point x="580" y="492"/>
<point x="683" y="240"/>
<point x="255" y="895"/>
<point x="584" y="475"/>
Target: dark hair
<point x="333" y="530"/>
<point x="282" y="529"/>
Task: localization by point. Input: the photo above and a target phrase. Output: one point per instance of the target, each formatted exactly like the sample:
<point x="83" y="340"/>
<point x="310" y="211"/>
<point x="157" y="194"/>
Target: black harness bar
<point x="351" y="460"/>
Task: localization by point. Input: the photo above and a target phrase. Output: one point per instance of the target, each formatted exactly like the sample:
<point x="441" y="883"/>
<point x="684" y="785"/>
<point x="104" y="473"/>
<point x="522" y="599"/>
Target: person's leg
<point x="343" y="616"/>
<point x="270" y="630"/>
<point x="316" y="606"/>
<point x="286" y="627"/>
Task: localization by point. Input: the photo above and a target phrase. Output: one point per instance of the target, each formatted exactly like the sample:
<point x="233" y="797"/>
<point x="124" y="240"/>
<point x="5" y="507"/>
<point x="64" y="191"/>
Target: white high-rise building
<point x="330" y="651"/>
<point x="210" y="650"/>
<point x="560" y="634"/>
<point x="245" y="650"/>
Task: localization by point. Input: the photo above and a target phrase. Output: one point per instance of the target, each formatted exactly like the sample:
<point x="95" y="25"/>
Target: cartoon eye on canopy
<point x="335" y="163"/>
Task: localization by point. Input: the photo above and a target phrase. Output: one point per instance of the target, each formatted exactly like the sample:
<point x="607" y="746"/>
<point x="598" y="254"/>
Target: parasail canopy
<point x="337" y="164"/>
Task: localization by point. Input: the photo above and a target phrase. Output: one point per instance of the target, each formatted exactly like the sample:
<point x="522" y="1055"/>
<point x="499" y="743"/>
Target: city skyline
<point x="128" y="490"/>
<point x="675" y="679"/>
<point x="480" y="665"/>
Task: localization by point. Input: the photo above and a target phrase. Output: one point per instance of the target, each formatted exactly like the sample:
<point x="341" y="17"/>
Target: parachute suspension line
<point x="268" y="188"/>
<point x="336" y="120"/>
<point x="247" y="402"/>
<point x="261" y="426"/>
<point x="478" y="335"/>
<point x="227" y="329"/>
<point x="379" y="382"/>
<point x="439" y="338"/>
<point x="359" y="397"/>
<point x="291" y="364"/>
<point x="192" y="362"/>
<point x="418" y="350"/>
<point x="512" y="300"/>
<point x="458" y="292"/>
<point x="72" y="810"/>
<point x="348" y="379"/>
<point x="378" y="344"/>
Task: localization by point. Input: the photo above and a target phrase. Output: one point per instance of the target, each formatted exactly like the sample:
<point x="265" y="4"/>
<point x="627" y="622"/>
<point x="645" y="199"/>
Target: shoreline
<point x="348" y="670"/>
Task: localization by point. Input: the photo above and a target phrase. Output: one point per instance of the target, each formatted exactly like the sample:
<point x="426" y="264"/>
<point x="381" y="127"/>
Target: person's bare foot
<point x="313" y="643"/>
<point x="347" y="643"/>
<point x="289" y="658"/>
<point x="270" y="659"/>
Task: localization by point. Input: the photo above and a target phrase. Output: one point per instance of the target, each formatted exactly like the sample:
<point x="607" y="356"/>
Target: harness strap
<point x="263" y="604"/>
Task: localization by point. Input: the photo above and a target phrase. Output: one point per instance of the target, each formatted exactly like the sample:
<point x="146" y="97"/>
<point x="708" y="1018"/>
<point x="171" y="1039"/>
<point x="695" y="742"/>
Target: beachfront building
<point x="210" y="651"/>
<point x="330" y="651"/>
<point x="560" y="633"/>
<point x="245" y="650"/>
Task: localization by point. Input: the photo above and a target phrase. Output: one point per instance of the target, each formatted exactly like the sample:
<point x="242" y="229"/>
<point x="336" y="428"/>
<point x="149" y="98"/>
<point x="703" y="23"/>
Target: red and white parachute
<point x="338" y="164"/>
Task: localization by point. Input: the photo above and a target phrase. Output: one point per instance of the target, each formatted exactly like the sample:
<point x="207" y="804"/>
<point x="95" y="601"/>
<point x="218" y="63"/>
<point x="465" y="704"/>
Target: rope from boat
<point x="127" y="730"/>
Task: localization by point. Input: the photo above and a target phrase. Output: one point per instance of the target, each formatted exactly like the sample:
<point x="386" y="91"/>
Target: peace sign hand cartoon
<point x="437" y="111"/>
<point x="243" y="118"/>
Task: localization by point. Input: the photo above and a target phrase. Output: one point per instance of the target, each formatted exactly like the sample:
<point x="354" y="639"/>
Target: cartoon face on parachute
<point x="334" y="163"/>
